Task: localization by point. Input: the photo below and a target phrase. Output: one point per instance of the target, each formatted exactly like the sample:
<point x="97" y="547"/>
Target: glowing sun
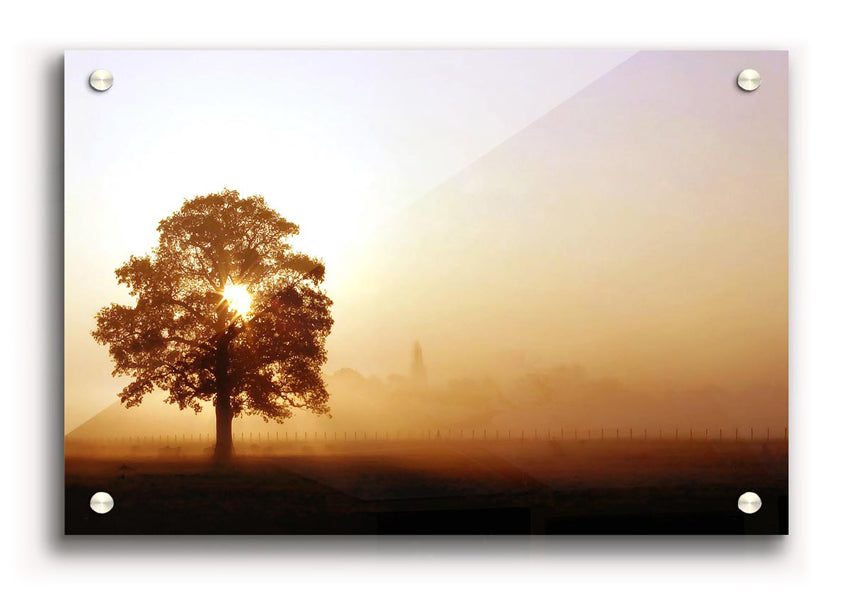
<point x="238" y="299"/>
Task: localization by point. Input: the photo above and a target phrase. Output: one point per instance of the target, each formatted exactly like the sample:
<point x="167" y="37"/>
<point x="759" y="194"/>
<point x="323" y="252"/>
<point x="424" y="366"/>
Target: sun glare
<point x="238" y="299"/>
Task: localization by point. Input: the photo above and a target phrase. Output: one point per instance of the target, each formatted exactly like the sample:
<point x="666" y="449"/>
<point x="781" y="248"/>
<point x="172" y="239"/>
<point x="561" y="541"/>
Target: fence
<point x="734" y="434"/>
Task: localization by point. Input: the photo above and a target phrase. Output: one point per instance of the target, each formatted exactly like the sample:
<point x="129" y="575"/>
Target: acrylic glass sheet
<point x="502" y="291"/>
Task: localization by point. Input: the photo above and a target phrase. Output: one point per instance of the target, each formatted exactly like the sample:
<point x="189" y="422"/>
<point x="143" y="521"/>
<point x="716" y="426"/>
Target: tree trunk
<point x="223" y="412"/>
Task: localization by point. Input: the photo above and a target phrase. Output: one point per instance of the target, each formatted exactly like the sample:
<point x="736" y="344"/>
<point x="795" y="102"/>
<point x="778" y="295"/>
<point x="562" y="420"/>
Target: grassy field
<point x="433" y="487"/>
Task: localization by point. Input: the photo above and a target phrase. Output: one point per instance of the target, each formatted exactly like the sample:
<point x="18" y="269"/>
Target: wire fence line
<point x="735" y="434"/>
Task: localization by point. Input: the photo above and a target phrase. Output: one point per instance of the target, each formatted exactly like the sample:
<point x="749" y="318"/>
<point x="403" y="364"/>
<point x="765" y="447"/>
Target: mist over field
<point x="545" y="400"/>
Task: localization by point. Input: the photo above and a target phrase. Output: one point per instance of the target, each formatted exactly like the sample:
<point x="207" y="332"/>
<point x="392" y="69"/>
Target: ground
<point x="432" y="487"/>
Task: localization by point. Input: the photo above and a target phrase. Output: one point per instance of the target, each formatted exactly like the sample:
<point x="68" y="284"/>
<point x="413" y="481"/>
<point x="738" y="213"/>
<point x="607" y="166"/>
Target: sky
<point x="513" y="210"/>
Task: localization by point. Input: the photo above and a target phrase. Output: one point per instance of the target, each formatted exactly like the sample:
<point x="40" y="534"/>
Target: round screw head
<point x="749" y="503"/>
<point x="749" y="80"/>
<point x="101" y="503"/>
<point x="101" y="80"/>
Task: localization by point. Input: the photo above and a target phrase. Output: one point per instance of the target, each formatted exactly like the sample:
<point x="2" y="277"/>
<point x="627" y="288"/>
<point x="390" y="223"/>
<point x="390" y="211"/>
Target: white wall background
<point x="39" y="561"/>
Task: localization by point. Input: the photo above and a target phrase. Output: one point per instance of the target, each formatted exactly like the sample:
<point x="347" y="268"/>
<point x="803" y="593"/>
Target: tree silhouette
<point x="192" y="332"/>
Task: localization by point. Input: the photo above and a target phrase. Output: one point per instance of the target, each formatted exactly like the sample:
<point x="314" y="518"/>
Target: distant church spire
<point x="417" y="366"/>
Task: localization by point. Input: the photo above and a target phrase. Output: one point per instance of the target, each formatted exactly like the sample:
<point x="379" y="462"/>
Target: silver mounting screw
<point x="749" y="80"/>
<point x="101" y="80"/>
<point x="101" y="503"/>
<point x="749" y="503"/>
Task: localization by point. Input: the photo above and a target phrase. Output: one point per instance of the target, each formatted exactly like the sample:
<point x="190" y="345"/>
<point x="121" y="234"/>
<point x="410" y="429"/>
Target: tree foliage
<point x="183" y="337"/>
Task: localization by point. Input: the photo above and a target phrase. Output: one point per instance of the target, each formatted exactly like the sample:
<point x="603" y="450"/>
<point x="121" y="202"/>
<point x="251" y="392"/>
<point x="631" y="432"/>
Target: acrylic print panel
<point x="519" y="291"/>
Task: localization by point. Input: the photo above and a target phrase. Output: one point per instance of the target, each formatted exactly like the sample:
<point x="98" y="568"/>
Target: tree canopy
<point x="186" y="334"/>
